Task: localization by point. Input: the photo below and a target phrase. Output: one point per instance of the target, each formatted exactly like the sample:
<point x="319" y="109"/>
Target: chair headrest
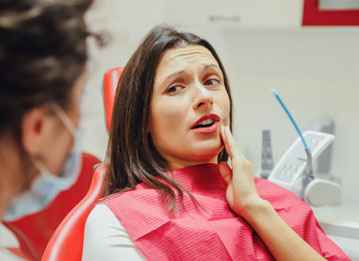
<point x="110" y="82"/>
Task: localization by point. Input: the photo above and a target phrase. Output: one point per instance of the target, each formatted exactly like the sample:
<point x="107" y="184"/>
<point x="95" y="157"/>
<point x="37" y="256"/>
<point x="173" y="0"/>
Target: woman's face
<point x="189" y="104"/>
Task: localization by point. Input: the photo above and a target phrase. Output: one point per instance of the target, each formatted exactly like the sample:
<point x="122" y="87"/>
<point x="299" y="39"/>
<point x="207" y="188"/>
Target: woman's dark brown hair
<point x="131" y="155"/>
<point x="42" y="53"/>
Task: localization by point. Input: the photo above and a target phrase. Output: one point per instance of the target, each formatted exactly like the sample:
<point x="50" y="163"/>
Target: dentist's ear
<point x="36" y="125"/>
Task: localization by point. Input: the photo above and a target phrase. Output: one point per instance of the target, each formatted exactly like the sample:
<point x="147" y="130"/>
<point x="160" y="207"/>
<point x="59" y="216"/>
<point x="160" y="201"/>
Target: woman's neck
<point x="182" y="163"/>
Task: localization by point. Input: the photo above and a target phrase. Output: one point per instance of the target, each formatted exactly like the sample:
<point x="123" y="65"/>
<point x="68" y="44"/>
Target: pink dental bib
<point x="210" y="231"/>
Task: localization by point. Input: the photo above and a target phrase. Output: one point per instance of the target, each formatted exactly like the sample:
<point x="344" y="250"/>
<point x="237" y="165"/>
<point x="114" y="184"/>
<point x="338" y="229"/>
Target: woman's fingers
<point x="241" y="190"/>
<point x="224" y="139"/>
<point x="226" y="171"/>
<point x="230" y="143"/>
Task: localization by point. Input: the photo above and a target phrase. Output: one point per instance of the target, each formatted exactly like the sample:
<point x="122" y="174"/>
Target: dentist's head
<point x="43" y="56"/>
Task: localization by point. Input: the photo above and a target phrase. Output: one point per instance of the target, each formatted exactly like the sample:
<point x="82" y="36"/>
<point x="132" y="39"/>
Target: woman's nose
<point x="203" y="97"/>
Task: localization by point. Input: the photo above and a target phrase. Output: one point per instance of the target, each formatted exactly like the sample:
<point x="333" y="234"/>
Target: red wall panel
<point x="313" y="16"/>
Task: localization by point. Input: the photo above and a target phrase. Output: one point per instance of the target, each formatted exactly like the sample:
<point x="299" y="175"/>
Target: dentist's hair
<point x="42" y="53"/>
<point x="131" y="154"/>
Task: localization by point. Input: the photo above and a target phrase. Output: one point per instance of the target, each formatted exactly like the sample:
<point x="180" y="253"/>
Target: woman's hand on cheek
<point x="241" y="193"/>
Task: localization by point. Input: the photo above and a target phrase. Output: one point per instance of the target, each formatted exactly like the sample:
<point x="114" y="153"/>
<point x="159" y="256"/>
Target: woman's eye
<point x="174" y="89"/>
<point x="212" y="82"/>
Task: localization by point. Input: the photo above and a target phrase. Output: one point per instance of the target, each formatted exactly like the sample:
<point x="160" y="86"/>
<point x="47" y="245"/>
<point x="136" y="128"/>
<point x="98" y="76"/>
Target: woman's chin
<point x="207" y="154"/>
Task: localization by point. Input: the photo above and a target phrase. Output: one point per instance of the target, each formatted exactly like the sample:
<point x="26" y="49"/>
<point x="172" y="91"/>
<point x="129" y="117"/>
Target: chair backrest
<point x="110" y="82"/>
<point x="67" y="241"/>
<point x="61" y="245"/>
<point x="34" y="231"/>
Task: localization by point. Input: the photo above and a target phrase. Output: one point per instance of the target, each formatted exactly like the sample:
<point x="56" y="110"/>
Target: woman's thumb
<point x="226" y="171"/>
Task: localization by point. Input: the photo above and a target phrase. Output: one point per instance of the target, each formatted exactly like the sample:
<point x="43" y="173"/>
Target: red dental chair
<point x="67" y="241"/>
<point x="110" y="81"/>
<point x="34" y="231"/>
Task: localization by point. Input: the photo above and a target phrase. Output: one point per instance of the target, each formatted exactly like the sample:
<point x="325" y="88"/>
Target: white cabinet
<point x="243" y="13"/>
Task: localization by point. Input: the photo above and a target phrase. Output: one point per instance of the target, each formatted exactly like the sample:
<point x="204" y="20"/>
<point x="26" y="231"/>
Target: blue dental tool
<point x="308" y="172"/>
<point x="275" y="93"/>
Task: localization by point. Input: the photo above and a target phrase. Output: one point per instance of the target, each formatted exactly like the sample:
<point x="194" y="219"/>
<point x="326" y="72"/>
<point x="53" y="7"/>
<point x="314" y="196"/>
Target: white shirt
<point x="106" y="239"/>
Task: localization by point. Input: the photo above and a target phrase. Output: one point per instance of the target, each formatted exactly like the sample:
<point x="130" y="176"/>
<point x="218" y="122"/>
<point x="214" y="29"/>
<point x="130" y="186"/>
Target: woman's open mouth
<point x="207" y="124"/>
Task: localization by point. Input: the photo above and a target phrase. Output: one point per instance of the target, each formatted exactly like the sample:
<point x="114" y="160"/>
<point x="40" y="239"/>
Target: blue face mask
<point x="47" y="185"/>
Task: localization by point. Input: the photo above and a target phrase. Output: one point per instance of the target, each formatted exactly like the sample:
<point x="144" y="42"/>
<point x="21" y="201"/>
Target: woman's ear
<point x="36" y="125"/>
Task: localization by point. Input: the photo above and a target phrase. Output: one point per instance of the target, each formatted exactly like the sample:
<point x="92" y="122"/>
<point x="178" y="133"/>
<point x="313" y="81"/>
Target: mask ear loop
<point x="38" y="164"/>
<point x="68" y="124"/>
<point x="65" y="119"/>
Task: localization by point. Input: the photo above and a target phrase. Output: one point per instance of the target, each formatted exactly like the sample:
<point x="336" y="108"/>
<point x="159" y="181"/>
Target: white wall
<point x="315" y="70"/>
<point x="126" y="23"/>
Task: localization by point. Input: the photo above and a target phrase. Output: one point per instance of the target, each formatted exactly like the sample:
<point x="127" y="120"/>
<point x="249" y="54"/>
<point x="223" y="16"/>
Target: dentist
<point x="43" y="57"/>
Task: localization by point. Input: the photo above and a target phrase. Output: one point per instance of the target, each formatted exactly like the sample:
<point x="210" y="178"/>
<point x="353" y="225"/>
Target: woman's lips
<point x="212" y="116"/>
<point x="207" y="130"/>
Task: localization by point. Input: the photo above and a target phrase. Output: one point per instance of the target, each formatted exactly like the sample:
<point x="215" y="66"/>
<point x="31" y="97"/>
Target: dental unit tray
<point x="288" y="172"/>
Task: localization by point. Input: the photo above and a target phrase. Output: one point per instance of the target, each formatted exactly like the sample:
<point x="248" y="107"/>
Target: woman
<point x="43" y="58"/>
<point x="167" y="197"/>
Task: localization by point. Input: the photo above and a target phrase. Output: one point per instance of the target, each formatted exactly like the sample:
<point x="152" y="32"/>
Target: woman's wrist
<point x="279" y="238"/>
<point x="255" y="209"/>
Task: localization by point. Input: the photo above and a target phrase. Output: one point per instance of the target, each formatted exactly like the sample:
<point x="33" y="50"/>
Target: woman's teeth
<point x="205" y="123"/>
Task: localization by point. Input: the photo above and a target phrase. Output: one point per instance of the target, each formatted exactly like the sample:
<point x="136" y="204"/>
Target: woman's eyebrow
<point x="173" y="75"/>
<point x="207" y="66"/>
